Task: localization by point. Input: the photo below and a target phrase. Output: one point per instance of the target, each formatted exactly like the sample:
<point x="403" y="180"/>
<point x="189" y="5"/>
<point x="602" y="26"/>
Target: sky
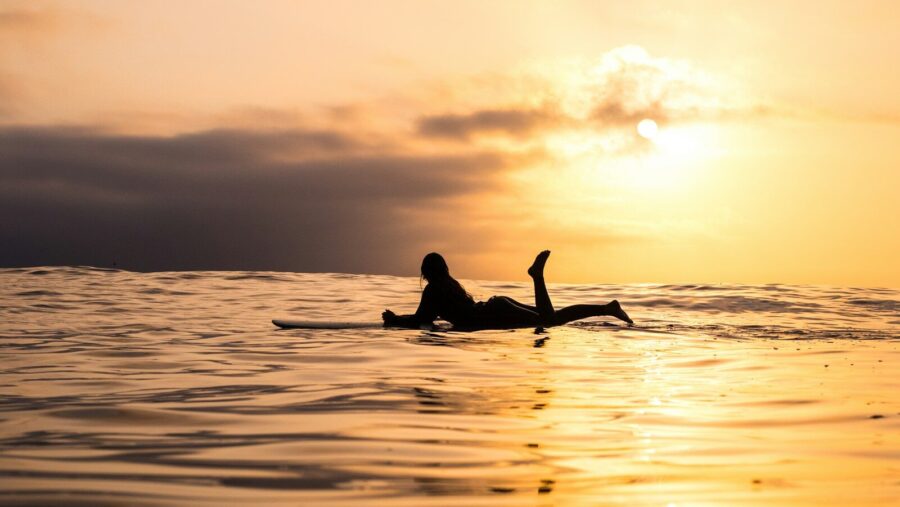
<point x="350" y="136"/>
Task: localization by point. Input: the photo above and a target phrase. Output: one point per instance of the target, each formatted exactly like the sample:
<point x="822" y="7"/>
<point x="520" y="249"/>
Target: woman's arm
<point x="391" y="319"/>
<point x="425" y="314"/>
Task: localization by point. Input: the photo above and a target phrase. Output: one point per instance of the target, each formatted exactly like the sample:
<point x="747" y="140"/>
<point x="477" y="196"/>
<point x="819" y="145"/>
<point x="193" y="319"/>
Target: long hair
<point x="436" y="271"/>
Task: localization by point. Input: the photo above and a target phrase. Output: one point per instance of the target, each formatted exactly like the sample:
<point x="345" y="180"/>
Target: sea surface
<point x="174" y="388"/>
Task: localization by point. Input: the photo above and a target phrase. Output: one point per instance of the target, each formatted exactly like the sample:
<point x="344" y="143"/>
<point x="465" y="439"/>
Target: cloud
<point x="28" y="17"/>
<point x="28" y="32"/>
<point x="513" y="122"/>
<point x="611" y="94"/>
<point x="291" y="200"/>
<point x="26" y="20"/>
<point x="336" y="190"/>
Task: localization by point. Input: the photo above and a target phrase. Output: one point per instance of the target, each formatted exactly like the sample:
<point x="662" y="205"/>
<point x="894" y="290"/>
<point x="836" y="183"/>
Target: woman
<point x="444" y="297"/>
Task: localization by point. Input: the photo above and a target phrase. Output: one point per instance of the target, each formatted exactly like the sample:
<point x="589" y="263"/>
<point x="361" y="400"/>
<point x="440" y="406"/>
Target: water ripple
<point x="173" y="388"/>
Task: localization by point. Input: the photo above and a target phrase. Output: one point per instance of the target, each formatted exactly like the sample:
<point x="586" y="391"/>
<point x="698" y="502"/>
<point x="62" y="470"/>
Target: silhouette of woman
<point x="444" y="297"/>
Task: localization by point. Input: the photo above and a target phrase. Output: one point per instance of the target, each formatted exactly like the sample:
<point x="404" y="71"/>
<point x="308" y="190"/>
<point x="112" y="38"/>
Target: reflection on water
<point x="123" y="388"/>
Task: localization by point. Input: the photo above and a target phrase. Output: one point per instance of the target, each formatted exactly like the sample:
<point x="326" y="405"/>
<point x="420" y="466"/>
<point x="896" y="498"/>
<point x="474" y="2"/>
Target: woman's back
<point x="447" y="301"/>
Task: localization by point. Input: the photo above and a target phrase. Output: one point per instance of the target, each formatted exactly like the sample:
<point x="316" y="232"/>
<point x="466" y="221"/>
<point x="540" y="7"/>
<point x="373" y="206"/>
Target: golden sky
<point x="357" y="136"/>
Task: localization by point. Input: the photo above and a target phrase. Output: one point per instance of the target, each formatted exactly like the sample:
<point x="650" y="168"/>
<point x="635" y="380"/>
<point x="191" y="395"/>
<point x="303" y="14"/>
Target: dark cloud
<point x="512" y="122"/>
<point x="225" y="199"/>
<point x="610" y="112"/>
<point x="613" y="110"/>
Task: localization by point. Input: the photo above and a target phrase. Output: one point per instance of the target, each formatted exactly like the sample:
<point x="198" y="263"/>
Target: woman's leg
<point x="541" y="297"/>
<point x="549" y="317"/>
<point x="577" y="312"/>
<point x="507" y="312"/>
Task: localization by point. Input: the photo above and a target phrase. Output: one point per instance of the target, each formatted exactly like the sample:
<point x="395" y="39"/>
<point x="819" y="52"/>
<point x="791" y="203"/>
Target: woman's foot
<point x="615" y="310"/>
<point x="537" y="268"/>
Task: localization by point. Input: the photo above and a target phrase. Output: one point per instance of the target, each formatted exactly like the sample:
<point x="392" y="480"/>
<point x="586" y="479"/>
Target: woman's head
<point x="434" y="268"/>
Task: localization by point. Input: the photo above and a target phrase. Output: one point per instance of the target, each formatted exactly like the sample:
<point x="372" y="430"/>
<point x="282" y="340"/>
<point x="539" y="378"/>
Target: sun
<point x="647" y="129"/>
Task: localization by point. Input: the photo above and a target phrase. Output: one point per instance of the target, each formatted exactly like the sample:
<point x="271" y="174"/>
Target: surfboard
<point x="325" y="324"/>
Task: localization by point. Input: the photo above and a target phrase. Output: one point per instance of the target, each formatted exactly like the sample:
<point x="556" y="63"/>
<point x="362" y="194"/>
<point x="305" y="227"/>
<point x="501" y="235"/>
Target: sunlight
<point x="679" y="154"/>
<point x="689" y="141"/>
<point x="647" y="129"/>
<point x="676" y="156"/>
<point x="663" y="160"/>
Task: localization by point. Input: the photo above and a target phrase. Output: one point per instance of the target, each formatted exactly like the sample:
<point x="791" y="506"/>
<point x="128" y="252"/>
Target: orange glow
<point x="635" y="148"/>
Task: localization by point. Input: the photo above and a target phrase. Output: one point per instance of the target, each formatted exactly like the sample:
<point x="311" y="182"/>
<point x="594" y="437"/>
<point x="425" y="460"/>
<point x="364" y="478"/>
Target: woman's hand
<point x="388" y="317"/>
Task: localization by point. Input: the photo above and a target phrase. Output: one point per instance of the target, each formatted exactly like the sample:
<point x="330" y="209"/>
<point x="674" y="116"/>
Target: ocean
<point x="174" y="388"/>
